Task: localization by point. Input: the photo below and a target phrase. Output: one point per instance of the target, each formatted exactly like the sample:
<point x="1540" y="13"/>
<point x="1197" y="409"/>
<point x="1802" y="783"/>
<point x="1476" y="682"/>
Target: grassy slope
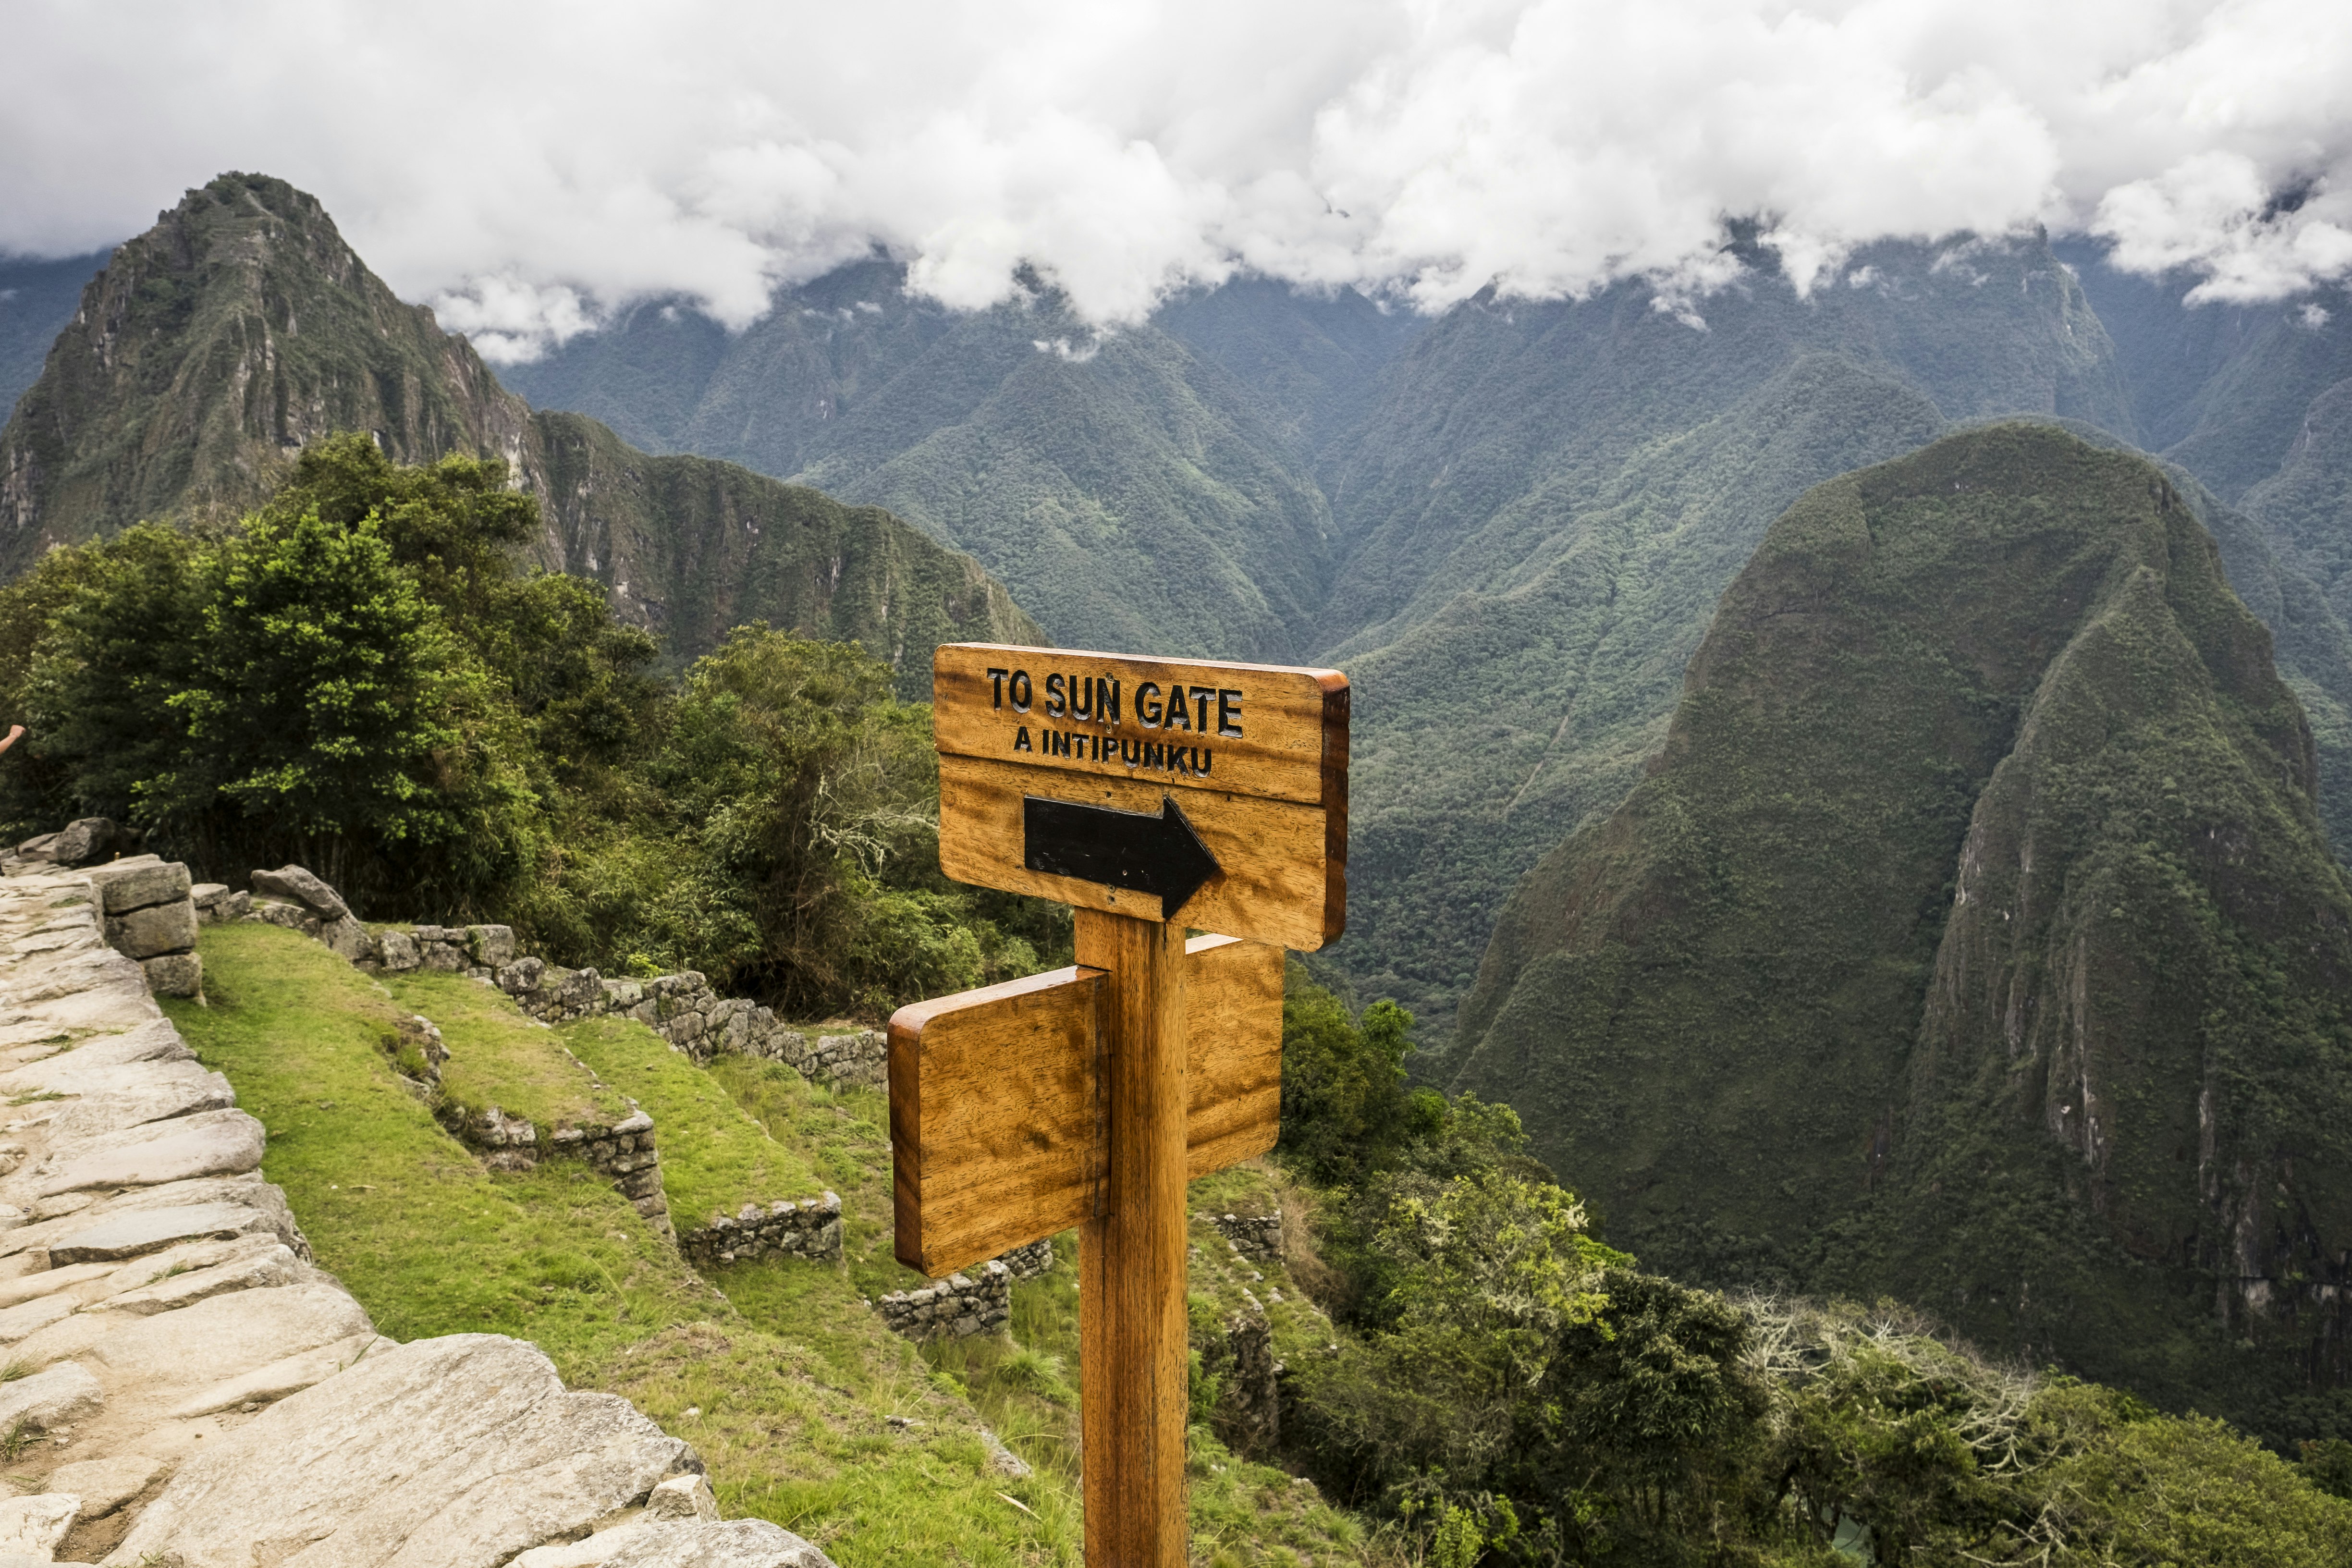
<point x="791" y="1380"/>
<point x="499" y="1057"/>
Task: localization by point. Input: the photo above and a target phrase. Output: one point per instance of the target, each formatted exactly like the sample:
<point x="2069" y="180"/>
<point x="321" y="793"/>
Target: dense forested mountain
<point x="1148" y="487"/>
<point x="1510" y="524"/>
<point x="211" y="347"/>
<point x="1928" y="891"/>
<point x="1972" y="938"/>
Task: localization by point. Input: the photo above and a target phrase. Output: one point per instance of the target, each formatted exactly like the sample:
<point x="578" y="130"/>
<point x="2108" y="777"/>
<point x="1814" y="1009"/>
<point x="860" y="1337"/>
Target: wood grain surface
<point x="1131" y="1258"/>
<point x="1291" y="742"/>
<point x="1233" y="1051"/>
<point x="996" y="1115"/>
<point x="1283" y="867"/>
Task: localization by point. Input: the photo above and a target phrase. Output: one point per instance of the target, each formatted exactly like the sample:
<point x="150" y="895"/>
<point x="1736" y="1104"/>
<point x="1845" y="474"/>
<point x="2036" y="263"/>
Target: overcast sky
<point x="526" y="166"/>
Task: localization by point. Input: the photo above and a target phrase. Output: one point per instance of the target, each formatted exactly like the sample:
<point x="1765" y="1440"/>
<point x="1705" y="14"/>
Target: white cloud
<point x="526" y="166"/>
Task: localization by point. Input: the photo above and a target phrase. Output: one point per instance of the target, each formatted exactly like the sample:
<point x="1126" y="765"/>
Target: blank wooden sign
<point x="996" y="1107"/>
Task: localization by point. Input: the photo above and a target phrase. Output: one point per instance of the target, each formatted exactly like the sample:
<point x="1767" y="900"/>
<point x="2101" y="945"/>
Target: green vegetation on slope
<point x="241" y="329"/>
<point x="1973" y="939"/>
<point x="432" y="1244"/>
<point x="1134" y="491"/>
<point x="359" y="678"/>
<point x="1504" y="1388"/>
<point x="36" y="301"/>
<point x="715" y="1156"/>
<point x="500" y="1057"/>
<point x="807" y="1410"/>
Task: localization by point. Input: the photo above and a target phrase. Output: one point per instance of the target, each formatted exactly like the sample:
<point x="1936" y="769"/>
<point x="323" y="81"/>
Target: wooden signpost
<point x="1155" y="795"/>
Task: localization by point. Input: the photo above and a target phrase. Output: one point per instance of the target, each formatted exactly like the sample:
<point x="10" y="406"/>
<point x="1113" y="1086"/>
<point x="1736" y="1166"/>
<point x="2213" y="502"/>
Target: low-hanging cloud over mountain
<point x="526" y="166"/>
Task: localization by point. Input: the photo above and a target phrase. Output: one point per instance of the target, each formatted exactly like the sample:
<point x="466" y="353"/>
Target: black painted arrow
<point x="1133" y="849"/>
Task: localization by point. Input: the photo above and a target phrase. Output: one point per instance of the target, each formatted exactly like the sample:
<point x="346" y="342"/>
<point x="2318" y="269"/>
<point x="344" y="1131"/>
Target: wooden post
<point x="1131" y="1256"/>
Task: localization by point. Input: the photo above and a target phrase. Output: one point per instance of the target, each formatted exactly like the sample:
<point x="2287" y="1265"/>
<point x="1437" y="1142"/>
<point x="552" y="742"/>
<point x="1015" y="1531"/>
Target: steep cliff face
<point x="1973" y="937"/>
<point x="1135" y="494"/>
<point x="690" y="547"/>
<point x="213" y="346"/>
<point x="241" y="326"/>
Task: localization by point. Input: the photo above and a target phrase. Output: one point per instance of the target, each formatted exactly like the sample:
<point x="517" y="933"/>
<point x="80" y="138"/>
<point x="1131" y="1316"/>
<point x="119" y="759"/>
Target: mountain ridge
<point x="211" y="347"/>
<point x="2077" y="875"/>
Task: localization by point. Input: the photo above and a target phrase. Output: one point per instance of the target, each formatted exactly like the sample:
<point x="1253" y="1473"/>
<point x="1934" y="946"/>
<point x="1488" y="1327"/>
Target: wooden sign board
<point x="998" y="1123"/>
<point x="1211" y="792"/>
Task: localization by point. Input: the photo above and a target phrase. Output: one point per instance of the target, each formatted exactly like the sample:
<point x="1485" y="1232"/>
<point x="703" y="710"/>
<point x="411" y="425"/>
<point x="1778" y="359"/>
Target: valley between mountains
<point x="1864" y="775"/>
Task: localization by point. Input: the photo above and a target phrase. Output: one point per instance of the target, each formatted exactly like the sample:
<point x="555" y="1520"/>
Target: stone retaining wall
<point x="957" y="1307"/>
<point x="681" y="1008"/>
<point x="810" y="1229"/>
<point x="1256" y="1236"/>
<point x="150" y="920"/>
<point x="1031" y="1261"/>
<point x="961" y="1305"/>
<point x="1248" y="1415"/>
<point x="196" y="1390"/>
<point x="684" y="1010"/>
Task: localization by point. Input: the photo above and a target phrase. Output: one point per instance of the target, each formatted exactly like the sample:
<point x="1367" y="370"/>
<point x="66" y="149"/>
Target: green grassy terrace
<point x="807" y="1410"/>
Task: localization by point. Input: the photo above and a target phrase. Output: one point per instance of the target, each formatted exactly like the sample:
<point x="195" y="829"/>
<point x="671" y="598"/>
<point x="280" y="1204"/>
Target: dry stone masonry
<point x="810" y="1229"/>
<point x="955" y="1308"/>
<point x="684" y="1010"/>
<point x="149" y="914"/>
<point x="681" y="1008"/>
<point x="961" y="1305"/>
<point x="201" y="1393"/>
<point x="1256" y="1236"/>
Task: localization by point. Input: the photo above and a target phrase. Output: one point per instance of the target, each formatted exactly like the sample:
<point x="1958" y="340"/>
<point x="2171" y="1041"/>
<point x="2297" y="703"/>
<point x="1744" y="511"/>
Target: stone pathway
<point x="196" y="1393"/>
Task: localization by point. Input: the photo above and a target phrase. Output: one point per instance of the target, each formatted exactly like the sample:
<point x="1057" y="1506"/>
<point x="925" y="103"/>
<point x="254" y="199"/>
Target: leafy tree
<point x="1345" y="1106"/>
<point x="1647" y="1422"/>
<point x="572" y="671"/>
<point x="782" y="834"/>
<point x="106" y="639"/>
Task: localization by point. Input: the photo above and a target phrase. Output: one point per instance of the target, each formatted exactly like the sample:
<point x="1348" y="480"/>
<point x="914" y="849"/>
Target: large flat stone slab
<point x="50" y="1281"/>
<point x="33" y="1526"/>
<point x="225" y="1336"/>
<point x="276" y="1379"/>
<point x="31" y="1317"/>
<point x="124" y="886"/>
<point x="58" y="1397"/>
<point x="647" y="1542"/>
<point x="260" y="1270"/>
<point x="249" y="1189"/>
<point x="209" y="1144"/>
<point x="91" y="970"/>
<point x="459" y="1452"/>
<point x="112" y="1237"/>
<point x="162" y="1091"/>
<point x="736" y="1543"/>
<point x="152" y="1040"/>
<point x="105" y="1485"/>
